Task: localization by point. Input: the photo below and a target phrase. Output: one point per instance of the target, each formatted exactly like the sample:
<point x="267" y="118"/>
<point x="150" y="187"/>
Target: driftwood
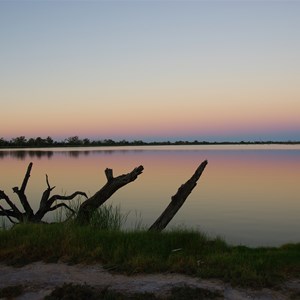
<point x="46" y="202"/>
<point x="177" y="200"/>
<point x="90" y="205"/>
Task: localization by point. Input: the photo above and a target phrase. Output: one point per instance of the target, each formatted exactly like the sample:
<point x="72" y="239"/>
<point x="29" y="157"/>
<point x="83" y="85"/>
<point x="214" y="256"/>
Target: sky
<point x="150" y="70"/>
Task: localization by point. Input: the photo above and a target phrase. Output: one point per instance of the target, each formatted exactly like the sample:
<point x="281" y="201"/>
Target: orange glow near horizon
<point x="197" y="115"/>
<point x="179" y="121"/>
<point x="174" y="80"/>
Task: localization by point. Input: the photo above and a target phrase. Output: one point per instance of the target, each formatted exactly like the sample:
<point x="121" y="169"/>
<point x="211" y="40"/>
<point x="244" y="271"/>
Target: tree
<point x="31" y="142"/>
<point x="49" y="141"/>
<point x="86" y="142"/>
<point x="3" y="142"/>
<point x="109" y="142"/>
<point x="39" y="142"/>
<point x="19" y="141"/>
<point x="74" y="141"/>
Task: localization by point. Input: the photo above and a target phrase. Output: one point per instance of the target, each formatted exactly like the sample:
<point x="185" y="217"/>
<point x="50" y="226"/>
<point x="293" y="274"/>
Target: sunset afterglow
<point x="150" y="70"/>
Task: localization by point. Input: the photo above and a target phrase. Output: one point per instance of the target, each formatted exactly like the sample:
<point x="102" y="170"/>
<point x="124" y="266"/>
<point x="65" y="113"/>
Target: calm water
<point x="247" y="194"/>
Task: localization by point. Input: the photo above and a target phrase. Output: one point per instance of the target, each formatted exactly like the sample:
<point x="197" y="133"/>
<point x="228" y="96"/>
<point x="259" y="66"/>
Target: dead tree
<point x="46" y="203"/>
<point x="89" y="206"/>
<point x="177" y="200"/>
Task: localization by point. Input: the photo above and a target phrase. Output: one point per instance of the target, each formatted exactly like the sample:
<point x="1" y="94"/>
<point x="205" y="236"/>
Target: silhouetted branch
<point x="26" y="178"/>
<point x="62" y="205"/>
<point x="177" y="200"/>
<point x="7" y="213"/>
<point x="70" y="197"/>
<point x="46" y="206"/>
<point x="45" y="203"/>
<point x="109" y="174"/>
<point x="6" y="198"/>
<point x="21" y="192"/>
<point x="89" y="206"/>
<point x="46" y="195"/>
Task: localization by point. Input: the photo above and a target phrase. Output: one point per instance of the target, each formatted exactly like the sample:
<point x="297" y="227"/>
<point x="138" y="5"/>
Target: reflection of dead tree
<point x="46" y="203"/>
<point x="90" y="205"/>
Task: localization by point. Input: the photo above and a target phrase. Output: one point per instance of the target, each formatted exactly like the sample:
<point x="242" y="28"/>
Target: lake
<point x="247" y="195"/>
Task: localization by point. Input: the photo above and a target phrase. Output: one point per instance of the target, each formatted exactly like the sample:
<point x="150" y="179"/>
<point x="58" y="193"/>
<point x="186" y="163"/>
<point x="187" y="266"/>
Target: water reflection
<point x="24" y="154"/>
<point x="248" y="196"/>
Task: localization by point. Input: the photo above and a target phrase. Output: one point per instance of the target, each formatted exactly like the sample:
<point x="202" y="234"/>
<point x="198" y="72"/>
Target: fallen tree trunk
<point x="177" y="200"/>
<point x="89" y="206"/>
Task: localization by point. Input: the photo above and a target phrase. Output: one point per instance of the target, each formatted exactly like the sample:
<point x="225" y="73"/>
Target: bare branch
<point x="26" y="178"/>
<point x="178" y="199"/>
<point x="113" y="184"/>
<point x="59" y="197"/>
<point x="6" y="198"/>
<point x="45" y="206"/>
<point x="7" y="213"/>
<point x="47" y="181"/>
<point x="109" y="174"/>
<point x="61" y="205"/>
<point x="45" y="203"/>
<point x="46" y="194"/>
<point x="21" y="193"/>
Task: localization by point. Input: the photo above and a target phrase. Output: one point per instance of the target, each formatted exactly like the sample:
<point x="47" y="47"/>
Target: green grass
<point x="106" y="217"/>
<point x="141" y="251"/>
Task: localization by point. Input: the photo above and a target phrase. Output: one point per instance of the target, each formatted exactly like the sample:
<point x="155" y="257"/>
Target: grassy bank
<point x="181" y="251"/>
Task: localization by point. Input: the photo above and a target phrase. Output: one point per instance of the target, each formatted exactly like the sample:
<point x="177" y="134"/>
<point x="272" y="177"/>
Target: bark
<point x="89" y="206"/>
<point x="177" y="200"/>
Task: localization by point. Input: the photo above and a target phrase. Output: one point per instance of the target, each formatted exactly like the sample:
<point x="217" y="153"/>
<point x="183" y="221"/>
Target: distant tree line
<point x="75" y="141"/>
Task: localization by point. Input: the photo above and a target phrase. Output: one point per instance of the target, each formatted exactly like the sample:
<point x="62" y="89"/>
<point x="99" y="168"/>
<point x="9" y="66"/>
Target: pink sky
<point x="151" y="71"/>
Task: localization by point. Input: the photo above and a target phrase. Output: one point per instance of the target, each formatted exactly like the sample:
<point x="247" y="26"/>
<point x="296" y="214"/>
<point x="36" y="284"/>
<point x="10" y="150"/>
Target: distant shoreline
<point x="22" y="142"/>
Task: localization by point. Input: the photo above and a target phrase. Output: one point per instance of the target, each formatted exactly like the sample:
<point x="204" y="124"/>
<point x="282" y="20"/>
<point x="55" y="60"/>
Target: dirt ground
<point x="40" y="279"/>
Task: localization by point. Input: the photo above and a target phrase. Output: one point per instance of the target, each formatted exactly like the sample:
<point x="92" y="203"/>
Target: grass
<point x="106" y="217"/>
<point x="183" y="251"/>
<point x="139" y="251"/>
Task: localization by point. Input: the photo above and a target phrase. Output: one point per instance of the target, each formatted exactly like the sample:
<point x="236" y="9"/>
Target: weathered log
<point x="89" y="206"/>
<point x="177" y="200"/>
